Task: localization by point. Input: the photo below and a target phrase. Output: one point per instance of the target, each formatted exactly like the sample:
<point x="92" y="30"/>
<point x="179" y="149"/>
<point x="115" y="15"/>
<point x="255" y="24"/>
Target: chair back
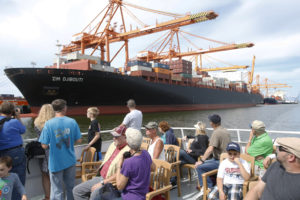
<point x="250" y="160"/>
<point x="179" y="141"/>
<point x="161" y="176"/>
<point x="146" y="140"/>
<point x="144" y="146"/>
<point x="87" y="155"/>
<point x="171" y="153"/>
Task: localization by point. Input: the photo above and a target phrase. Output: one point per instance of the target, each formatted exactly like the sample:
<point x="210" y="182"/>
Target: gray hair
<point x="131" y="103"/>
<point x="134" y="138"/>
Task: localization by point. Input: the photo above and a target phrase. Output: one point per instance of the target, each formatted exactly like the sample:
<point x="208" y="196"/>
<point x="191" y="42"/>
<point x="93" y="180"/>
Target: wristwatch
<point x="102" y="182"/>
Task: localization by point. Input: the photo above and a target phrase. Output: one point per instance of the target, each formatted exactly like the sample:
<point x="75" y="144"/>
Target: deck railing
<point x="238" y="135"/>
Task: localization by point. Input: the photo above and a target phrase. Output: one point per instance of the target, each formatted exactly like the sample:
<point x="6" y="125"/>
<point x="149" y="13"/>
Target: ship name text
<point x="66" y="79"/>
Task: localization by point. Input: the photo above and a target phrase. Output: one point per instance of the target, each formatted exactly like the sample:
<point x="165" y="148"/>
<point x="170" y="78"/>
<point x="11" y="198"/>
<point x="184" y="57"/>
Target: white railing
<point x="239" y="134"/>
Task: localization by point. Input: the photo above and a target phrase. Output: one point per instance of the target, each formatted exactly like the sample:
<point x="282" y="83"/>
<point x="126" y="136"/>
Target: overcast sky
<point x="29" y="30"/>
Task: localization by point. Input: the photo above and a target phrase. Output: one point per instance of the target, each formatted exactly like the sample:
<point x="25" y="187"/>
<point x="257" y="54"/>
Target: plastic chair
<point x="172" y="156"/>
<point x="86" y="156"/>
<point x="160" y="180"/>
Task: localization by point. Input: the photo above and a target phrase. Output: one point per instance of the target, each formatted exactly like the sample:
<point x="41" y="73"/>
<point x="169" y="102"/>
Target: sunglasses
<point x="281" y="148"/>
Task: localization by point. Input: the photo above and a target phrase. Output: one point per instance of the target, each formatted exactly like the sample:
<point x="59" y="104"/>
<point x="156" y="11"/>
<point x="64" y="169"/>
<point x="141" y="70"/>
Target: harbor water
<point x="280" y="117"/>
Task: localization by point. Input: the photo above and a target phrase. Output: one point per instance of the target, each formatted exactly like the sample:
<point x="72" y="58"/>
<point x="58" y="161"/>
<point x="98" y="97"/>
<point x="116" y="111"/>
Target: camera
<point x="126" y="154"/>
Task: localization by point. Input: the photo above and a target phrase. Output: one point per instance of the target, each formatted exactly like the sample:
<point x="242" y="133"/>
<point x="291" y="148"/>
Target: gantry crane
<point x="174" y="51"/>
<point x="266" y="86"/>
<point x="96" y="39"/>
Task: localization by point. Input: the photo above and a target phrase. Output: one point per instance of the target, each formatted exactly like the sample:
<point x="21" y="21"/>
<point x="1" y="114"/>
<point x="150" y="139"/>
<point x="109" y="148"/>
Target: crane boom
<point x="86" y="40"/>
<point x="156" y="56"/>
<point x="224" y="68"/>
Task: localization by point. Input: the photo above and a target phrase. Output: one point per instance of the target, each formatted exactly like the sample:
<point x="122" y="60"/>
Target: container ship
<point x="156" y="81"/>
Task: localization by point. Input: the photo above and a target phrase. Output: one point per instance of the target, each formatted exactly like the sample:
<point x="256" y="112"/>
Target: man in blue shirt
<point x="61" y="133"/>
<point x="11" y="142"/>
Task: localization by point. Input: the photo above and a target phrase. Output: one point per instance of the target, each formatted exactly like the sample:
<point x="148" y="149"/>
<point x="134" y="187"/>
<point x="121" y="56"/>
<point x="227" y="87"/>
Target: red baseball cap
<point x="118" y="131"/>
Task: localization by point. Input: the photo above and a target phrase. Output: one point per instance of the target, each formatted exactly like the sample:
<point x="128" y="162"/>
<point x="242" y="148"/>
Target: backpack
<point x="32" y="149"/>
<point x="2" y="121"/>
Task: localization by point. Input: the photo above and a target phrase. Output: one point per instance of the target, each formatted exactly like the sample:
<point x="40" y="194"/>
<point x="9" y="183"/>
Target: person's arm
<point x="207" y="153"/>
<point x="121" y="179"/>
<point x="267" y="161"/>
<point x="111" y="179"/>
<point x="45" y="146"/>
<point x="222" y="195"/>
<point x="256" y="192"/>
<point x="249" y="141"/>
<point x="243" y="171"/>
<point x="158" y="149"/>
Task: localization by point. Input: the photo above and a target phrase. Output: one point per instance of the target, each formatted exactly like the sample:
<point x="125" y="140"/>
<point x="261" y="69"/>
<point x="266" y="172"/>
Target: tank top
<point x="151" y="150"/>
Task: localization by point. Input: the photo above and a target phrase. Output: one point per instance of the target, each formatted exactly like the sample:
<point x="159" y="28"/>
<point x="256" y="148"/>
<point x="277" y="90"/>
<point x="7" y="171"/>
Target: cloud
<point x="29" y="30"/>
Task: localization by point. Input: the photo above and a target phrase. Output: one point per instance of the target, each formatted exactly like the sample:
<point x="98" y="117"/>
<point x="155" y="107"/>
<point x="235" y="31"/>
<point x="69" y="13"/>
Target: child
<point x="94" y="137"/>
<point x="231" y="175"/>
<point x="9" y="181"/>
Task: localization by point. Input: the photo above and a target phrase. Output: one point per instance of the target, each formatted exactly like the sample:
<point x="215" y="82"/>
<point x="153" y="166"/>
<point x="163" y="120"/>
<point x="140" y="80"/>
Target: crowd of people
<point x="128" y="166"/>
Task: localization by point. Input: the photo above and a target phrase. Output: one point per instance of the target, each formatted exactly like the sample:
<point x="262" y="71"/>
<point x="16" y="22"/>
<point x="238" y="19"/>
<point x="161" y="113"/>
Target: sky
<point x="29" y="31"/>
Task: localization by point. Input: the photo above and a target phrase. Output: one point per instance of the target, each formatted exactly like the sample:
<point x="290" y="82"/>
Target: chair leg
<point x="189" y="174"/>
<point x="178" y="181"/>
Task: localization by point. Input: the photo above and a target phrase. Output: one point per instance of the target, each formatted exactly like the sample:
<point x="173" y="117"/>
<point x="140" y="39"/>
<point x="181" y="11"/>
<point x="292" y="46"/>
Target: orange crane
<point x="174" y="50"/>
<point x="96" y="39"/>
<point x="266" y="86"/>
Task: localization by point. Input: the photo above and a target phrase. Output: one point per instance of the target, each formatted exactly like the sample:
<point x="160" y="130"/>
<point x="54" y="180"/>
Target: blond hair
<point x="200" y="128"/>
<point x="94" y="111"/>
<point x="46" y="112"/>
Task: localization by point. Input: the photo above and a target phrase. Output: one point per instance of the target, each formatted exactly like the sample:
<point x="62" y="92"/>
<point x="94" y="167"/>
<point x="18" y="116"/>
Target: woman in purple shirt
<point x="133" y="174"/>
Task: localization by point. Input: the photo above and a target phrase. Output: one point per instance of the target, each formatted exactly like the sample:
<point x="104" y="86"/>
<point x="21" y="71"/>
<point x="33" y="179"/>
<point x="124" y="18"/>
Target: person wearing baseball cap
<point x="232" y="173"/>
<point x="108" y="168"/>
<point x="259" y="145"/>
<point x="217" y="145"/>
<point x="156" y="147"/>
<point x="282" y="179"/>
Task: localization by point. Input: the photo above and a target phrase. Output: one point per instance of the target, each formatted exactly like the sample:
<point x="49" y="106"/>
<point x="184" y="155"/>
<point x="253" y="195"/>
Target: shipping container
<point x="161" y="70"/>
<point x="139" y="68"/>
<point x="139" y="63"/>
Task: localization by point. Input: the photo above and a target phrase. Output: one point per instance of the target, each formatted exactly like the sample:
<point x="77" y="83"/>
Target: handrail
<point x="237" y="131"/>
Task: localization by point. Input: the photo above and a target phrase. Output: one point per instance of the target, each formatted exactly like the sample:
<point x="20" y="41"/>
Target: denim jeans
<point x="66" y="176"/>
<point x="82" y="191"/>
<point x="19" y="166"/>
<point x="207" y="166"/>
<point x="185" y="158"/>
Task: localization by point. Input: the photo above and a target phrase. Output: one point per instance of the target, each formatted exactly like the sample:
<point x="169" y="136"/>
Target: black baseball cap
<point x="216" y="119"/>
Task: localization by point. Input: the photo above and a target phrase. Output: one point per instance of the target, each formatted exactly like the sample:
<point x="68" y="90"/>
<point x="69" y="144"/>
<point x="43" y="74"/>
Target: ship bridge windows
<point x="50" y="91"/>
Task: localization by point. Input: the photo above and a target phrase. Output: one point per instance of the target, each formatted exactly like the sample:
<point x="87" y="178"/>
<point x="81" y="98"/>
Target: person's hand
<point x="251" y="135"/>
<point x="237" y="160"/>
<point x="184" y="138"/>
<point x="222" y="195"/>
<point x="86" y="148"/>
<point x="198" y="163"/>
<point x="267" y="162"/>
<point x="24" y="197"/>
<point x="96" y="186"/>
<point x="188" y="150"/>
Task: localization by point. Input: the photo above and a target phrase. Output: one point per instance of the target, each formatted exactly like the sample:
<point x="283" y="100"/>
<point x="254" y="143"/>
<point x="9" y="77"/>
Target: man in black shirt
<point x="282" y="179"/>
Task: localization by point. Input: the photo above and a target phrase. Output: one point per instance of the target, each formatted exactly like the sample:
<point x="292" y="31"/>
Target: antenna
<point x="58" y="54"/>
<point x="33" y="64"/>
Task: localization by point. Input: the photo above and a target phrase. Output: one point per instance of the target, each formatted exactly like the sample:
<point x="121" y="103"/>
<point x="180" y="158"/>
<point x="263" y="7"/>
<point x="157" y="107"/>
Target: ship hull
<point x="110" y="91"/>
